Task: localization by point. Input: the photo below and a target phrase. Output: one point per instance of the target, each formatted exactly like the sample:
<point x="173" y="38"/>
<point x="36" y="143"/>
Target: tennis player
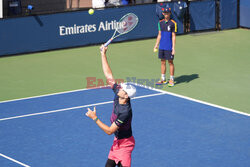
<point x="166" y="38"/>
<point x="121" y="118"/>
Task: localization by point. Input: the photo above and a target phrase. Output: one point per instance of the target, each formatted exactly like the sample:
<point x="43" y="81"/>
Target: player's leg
<point x="110" y="163"/>
<point x="171" y="71"/>
<point x="163" y="68"/>
<point x="119" y="164"/>
<point x="163" y="73"/>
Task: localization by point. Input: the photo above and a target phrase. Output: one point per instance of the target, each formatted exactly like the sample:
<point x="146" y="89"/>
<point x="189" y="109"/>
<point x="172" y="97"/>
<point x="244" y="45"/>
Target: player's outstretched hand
<point x="156" y="48"/>
<point x="173" y="51"/>
<point x="91" y="114"/>
<point x="103" y="49"/>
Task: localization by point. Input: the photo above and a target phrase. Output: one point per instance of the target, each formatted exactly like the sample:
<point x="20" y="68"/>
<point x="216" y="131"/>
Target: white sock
<point x="163" y="77"/>
<point x="171" y="77"/>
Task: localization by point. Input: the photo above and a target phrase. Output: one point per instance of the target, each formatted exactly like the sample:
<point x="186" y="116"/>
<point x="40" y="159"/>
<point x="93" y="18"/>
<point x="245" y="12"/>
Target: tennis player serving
<point x="121" y="118"/>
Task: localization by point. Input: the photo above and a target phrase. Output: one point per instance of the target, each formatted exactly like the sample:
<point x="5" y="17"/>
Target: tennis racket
<point x="126" y="24"/>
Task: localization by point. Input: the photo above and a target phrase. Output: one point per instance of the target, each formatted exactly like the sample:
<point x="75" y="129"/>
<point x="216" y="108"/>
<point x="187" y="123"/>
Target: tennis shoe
<point x="161" y="82"/>
<point x="171" y="83"/>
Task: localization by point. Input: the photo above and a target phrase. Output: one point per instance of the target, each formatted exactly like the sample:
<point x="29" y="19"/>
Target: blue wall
<point x="45" y="32"/>
<point x="245" y="13"/>
<point x="202" y="15"/>
<point x="228" y="14"/>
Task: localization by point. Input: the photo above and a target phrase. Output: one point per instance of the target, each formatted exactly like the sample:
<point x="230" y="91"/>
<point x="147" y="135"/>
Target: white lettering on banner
<point x="63" y="30"/>
<point x="101" y="26"/>
<point x="107" y="26"/>
<point x="81" y="29"/>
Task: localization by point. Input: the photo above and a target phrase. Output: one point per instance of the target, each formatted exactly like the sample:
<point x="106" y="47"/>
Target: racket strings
<point x="128" y="23"/>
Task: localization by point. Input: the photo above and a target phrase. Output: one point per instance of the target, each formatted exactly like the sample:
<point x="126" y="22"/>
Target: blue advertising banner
<point x="202" y="15"/>
<point x="245" y="13"/>
<point x="228" y="14"/>
<point x="71" y="29"/>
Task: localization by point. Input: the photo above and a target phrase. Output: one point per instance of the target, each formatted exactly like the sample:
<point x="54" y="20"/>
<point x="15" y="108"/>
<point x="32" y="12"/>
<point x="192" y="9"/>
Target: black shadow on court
<point x="186" y="78"/>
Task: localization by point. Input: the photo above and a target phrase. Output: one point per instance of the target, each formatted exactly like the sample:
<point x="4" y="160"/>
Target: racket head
<point x="127" y="23"/>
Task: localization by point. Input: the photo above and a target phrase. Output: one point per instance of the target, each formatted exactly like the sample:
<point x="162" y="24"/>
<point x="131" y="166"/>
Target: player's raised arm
<point x="105" y="66"/>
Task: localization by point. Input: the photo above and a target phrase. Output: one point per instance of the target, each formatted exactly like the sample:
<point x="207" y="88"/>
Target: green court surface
<point x="212" y="67"/>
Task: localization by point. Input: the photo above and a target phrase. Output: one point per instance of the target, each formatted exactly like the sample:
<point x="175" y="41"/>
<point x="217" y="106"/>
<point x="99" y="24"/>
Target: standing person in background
<point x="98" y="3"/>
<point x="113" y="3"/>
<point x="163" y="0"/>
<point x="125" y="2"/>
<point x="143" y="1"/>
<point x="166" y="39"/>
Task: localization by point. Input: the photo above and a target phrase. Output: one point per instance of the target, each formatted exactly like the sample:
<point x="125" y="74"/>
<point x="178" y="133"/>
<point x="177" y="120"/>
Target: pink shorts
<point x="121" y="151"/>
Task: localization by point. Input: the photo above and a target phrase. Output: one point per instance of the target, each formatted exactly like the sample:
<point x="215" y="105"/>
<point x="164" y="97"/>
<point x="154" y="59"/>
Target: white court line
<point x="147" y="87"/>
<point x="195" y="100"/>
<point x="71" y="108"/>
<point x="51" y="94"/>
<point x="11" y="159"/>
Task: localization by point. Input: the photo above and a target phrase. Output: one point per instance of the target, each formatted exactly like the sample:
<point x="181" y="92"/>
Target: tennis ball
<point x="91" y="11"/>
<point x="155" y="50"/>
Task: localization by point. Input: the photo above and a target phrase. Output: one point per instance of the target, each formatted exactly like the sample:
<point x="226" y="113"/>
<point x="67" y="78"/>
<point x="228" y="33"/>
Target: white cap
<point x="129" y="89"/>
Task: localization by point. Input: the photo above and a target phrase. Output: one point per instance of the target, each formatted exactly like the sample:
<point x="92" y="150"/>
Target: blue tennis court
<point x="52" y="131"/>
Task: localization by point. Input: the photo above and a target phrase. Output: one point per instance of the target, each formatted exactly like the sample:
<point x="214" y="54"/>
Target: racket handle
<point x="107" y="43"/>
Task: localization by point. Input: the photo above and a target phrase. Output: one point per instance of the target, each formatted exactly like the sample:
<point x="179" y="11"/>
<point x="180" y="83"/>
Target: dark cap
<point x="166" y="10"/>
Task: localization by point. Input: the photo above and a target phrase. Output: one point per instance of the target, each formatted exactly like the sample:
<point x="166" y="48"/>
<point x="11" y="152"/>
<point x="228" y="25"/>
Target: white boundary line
<point x="71" y="108"/>
<point x="195" y="100"/>
<point x="51" y="94"/>
<point x="147" y="87"/>
<point x="11" y="159"/>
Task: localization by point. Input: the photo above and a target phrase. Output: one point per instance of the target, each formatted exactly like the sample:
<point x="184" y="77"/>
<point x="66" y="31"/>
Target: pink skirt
<point x="121" y="151"/>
